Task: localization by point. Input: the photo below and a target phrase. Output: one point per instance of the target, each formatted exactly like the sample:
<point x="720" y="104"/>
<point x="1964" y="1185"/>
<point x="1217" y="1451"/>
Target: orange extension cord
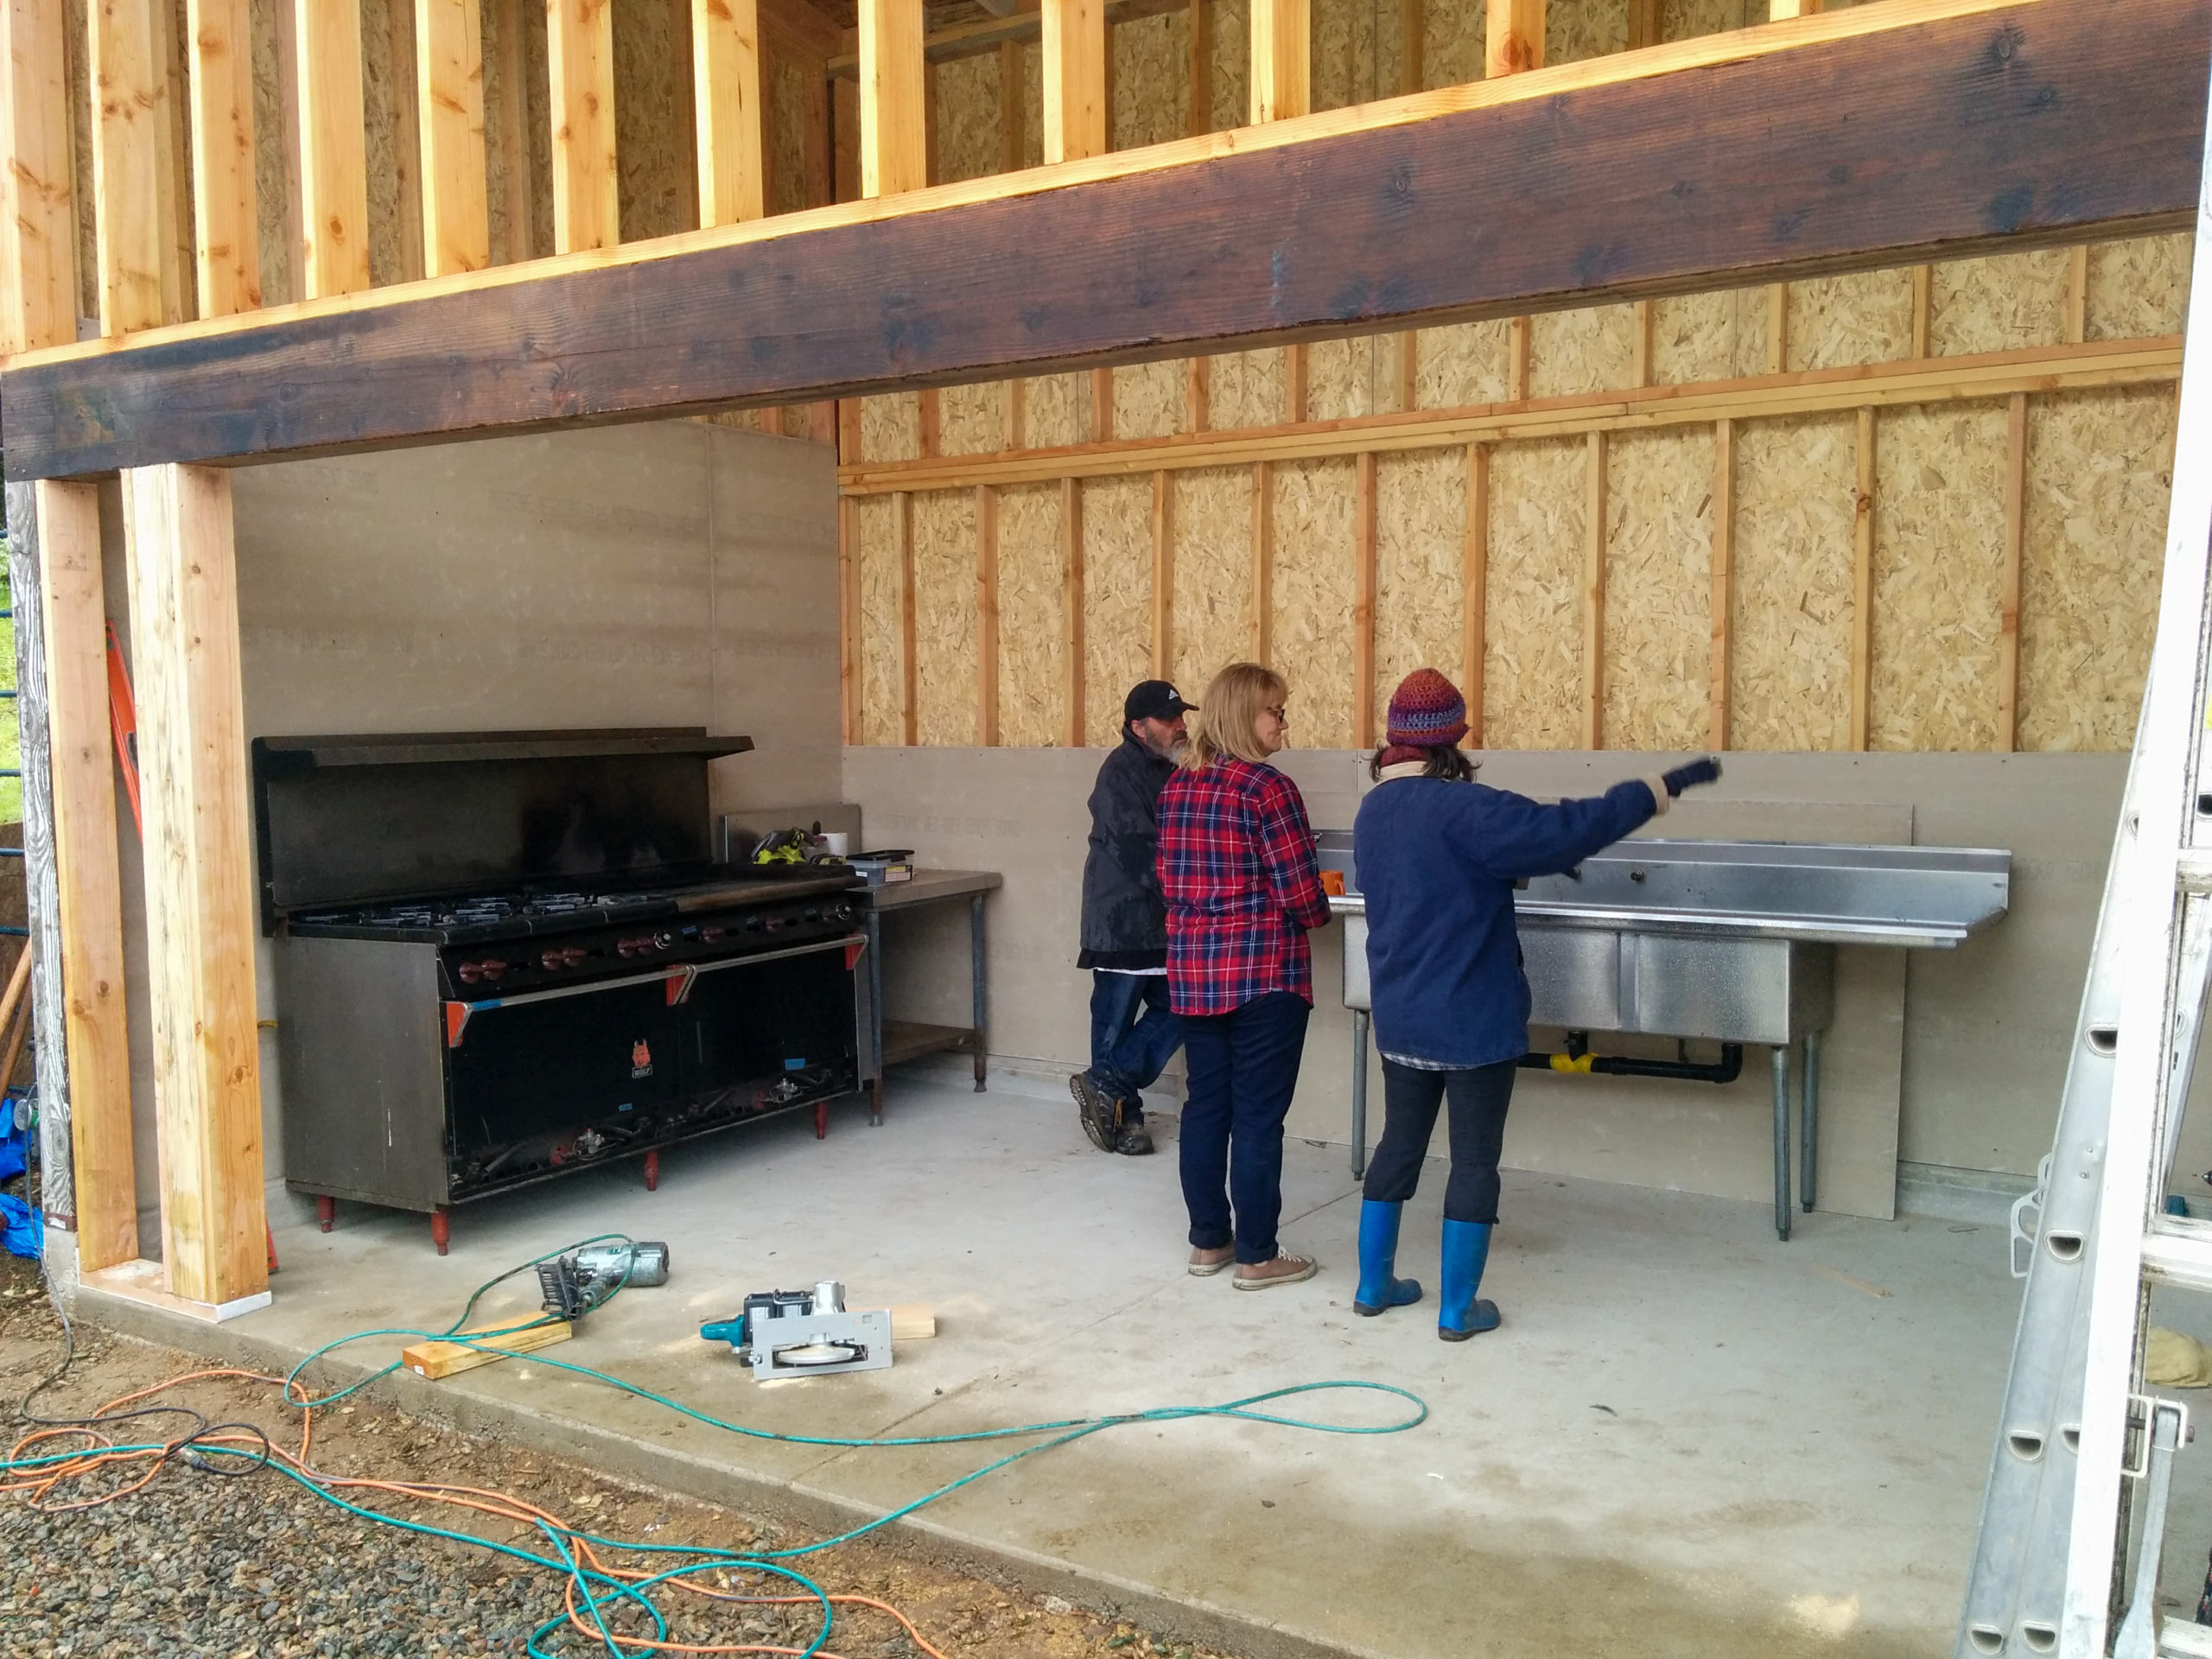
<point x="102" y="1453"/>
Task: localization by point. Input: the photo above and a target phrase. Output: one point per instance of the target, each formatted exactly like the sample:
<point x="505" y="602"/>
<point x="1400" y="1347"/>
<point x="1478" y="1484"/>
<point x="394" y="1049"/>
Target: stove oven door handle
<point x="680" y="973"/>
<point x="813" y="949"/>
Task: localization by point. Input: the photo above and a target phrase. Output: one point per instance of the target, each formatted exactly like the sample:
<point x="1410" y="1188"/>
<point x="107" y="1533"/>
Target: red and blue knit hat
<point x="1427" y="712"/>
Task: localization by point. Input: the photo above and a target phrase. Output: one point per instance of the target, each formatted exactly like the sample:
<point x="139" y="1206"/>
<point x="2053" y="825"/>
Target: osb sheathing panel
<point x="1245" y="389"/>
<point x="2139" y="287"/>
<point x="1344" y="68"/>
<point x="1453" y="32"/>
<point x="1574" y="351"/>
<point x="1232" y="65"/>
<point x="1421" y="536"/>
<point x="1796" y="485"/>
<point x="1056" y="410"/>
<point x="891" y="426"/>
<point x="1033" y="602"/>
<point x="1574" y="32"/>
<point x="1998" y="304"/>
<point x="1532" y="671"/>
<point x="1116" y="598"/>
<point x="1149" y="399"/>
<point x="1342" y="376"/>
<point x="1709" y="336"/>
<point x="1152" y="79"/>
<point x="2100" y="470"/>
<point x="1658" y="589"/>
<point x="1462" y="364"/>
<point x="968" y="142"/>
<point x="1313" y="586"/>
<point x="786" y="137"/>
<point x="1684" y="20"/>
<point x="1939" y="576"/>
<point x="267" y="148"/>
<point x="528" y="196"/>
<point x="876" y="531"/>
<point x="379" y="157"/>
<point x="654" y="132"/>
<point x="1836" y="321"/>
<point x="946" y="690"/>
<point x="1213" y="512"/>
<point x="81" y="139"/>
<point x="971" y="420"/>
<point x="537" y="124"/>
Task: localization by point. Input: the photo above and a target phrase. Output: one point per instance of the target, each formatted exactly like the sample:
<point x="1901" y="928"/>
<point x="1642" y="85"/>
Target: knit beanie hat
<point x="1427" y="712"/>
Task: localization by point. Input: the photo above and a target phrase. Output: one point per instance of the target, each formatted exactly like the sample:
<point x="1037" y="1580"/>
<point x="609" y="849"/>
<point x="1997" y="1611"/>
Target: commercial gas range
<point x="503" y="958"/>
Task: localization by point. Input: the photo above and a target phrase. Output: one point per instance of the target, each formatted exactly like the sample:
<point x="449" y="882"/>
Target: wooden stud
<point x="1013" y="122"/>
<point x="130" y="103"/>
<point x="1281" y="41"/>
<point x="845" y="115"/>
<point x="1517" y="355"/>
<point x="726" y="98"/>
<point x="849" y="621"/>
<point x="987" y="616"/>
<point x="1017" y="414"/>
<point x="38" y="226"/>
<point x="1514" y="38"/>
<point x="180" y="298"/>
<point x="1412" y="30"/>
<point x="1923" y="306"/>
<point x="820" y="189"/>
<point x="822" y="423"/>
<point x="1474" y="573"/>
<point x="1102" y="405"/>
<point x="226" y="247"/>
<point x="407" y="152"/>
<point x="894" y="126"/>
<point x="1408" y="365"/>
<point x="1263" y="561"/>
<point x="73" y="611"/>
<point x="909" y="703"/>
<point x="579" y="71"/>
<point x="200" y="901"/>
<point x="1593" y="598"/>
<point x="2077" y="294"/>
<point x="1198" y="394"/>
<point x="449" y="102"/>
<point x="2015" y="536"/>
<point x="1072" y="643"/>
<point x="492" y="1342"/>
<point x="1778" y="9"/>
<point x="1363" y="603"/>
<point x="1723" y="581"/>
<point x="1163" y="576"/>
<point x="1198" y="78"/>
<point x="1862" y="581"/>
<point x="1778" y="327"/>
<point x="931" y="173"/>
<point x="1640" y="366"/>
<point x="929" y="421"/>
<point x="510" y="130"/>
<point x="1075" y="79"/>
<point x="1296" y="405"/>
<point x="286" y="29"/>
<point x="333" y="166"/>
<point x="1645" y="24"/>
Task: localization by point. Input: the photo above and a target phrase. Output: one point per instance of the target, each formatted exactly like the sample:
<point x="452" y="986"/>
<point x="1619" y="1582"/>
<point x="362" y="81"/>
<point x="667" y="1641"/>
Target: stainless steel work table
<point x="899" y="1040"/>
<point x="1726" y="941"/>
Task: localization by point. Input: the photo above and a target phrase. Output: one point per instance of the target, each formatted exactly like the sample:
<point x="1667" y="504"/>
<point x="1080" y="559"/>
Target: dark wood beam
<point x="2011" y="127"/>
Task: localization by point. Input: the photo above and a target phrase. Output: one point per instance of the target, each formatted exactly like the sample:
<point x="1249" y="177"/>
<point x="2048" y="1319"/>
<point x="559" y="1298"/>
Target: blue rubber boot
<point x="1466" y="1251"/>
<point x="1378" y="1254"/>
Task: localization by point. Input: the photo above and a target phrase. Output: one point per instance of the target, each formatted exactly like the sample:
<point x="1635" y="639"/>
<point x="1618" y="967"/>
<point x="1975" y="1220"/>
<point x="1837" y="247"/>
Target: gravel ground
<point x="256" y="1567"/>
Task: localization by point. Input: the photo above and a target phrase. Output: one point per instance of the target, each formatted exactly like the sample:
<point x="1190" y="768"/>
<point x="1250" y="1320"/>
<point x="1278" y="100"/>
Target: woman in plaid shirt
<point x="1237" y="870"/>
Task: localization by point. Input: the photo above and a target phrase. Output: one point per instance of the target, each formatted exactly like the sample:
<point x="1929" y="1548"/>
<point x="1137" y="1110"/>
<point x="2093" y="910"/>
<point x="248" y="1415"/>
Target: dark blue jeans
<point x="1243" y="1066"/>
<point x="1134" y="1033"/>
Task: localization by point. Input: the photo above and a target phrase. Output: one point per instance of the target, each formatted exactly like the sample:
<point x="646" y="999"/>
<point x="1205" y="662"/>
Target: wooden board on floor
<point x="448" y="1358"/>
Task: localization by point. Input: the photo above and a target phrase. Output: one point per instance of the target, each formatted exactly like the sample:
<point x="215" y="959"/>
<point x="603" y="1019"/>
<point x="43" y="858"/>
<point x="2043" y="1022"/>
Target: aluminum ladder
<point x="2084" y="1457"/>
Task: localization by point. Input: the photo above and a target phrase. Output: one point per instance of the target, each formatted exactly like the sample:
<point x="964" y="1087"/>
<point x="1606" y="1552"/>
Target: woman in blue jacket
<point x="1438" y="854"/>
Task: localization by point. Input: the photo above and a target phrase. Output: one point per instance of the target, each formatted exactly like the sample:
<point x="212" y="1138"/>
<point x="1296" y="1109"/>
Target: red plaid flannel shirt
<point x="1238" y="869"/>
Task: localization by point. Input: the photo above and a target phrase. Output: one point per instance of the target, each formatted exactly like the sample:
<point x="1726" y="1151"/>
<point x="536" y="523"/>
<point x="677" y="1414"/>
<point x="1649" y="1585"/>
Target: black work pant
<point x="1479" y="1097"/>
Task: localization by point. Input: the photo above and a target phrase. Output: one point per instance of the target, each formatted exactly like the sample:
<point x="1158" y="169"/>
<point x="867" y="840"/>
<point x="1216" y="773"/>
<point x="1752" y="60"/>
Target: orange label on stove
<point x="641" y="1059"/>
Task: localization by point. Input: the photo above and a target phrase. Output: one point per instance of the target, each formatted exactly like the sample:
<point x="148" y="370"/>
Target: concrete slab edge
<point x="791" y="1504"/>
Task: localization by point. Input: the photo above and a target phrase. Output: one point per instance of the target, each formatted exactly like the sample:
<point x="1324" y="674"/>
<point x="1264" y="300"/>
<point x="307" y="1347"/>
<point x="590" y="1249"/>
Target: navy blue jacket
<point x="1436" y="862"/>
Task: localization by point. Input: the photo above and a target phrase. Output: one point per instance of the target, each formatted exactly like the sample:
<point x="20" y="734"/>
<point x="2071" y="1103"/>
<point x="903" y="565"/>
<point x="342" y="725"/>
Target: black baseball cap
<point x="1154" y="700"/>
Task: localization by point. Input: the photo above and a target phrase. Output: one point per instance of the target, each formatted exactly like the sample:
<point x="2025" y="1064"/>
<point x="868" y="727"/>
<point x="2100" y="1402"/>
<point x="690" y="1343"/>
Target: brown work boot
<point x="1206" y="1264"/>
<point x="1283" y="1271"/>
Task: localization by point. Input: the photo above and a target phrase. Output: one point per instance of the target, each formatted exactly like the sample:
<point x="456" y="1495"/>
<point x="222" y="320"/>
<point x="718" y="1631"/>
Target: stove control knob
<point x="813" y="915"/>
<point x="753" y="924"/>
<point x="842" y="912"/>
<point x="663" y="940"/>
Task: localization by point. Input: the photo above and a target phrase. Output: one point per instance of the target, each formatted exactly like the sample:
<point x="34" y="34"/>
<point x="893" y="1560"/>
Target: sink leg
<point x="1781" y="1141"/>
<point x="1359" y="1022"/>
<point x="1808" y="1141"/>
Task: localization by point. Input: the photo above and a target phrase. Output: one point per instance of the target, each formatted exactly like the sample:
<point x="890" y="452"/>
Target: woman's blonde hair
<point x="1229" y="715"/>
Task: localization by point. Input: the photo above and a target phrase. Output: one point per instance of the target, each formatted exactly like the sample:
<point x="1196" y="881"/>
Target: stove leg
<point x="821" y="1120"/>
<point x="326" y="1212"/>
<point x="652" y="1172"/>
<point x="875" y="1101"/>
<point x="1781" y="1142"/>
<point x="440" y="1228"/>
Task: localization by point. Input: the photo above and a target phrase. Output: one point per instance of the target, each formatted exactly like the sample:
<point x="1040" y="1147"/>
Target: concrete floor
<point x="1687" y="1439"/>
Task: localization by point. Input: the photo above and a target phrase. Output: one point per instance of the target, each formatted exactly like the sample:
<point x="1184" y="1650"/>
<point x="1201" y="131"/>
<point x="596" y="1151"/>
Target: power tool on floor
<point x="575" y="1284"/>
<point x="804" y="1333"/>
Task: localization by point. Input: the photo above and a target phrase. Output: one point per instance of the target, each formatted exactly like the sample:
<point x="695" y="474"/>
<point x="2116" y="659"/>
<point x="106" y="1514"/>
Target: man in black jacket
<point x="1134" y="1033"/>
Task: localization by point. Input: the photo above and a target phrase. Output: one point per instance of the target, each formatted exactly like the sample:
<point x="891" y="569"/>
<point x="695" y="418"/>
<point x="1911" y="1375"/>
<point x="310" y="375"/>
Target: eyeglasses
<point x="1277" y="709"/>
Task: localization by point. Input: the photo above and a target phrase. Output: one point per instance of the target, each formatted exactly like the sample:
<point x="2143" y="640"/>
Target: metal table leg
<point x="1359" y="1020"/>
<point x="876" y="1008"/>
<point x="975" y="964"/>
<point x="1808" y="1143"/>
<point x="1781" y="1141"/>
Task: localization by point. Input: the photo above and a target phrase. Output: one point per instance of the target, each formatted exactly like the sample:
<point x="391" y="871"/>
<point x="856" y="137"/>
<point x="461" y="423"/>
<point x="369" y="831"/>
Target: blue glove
<point x="1698" y="772"/>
